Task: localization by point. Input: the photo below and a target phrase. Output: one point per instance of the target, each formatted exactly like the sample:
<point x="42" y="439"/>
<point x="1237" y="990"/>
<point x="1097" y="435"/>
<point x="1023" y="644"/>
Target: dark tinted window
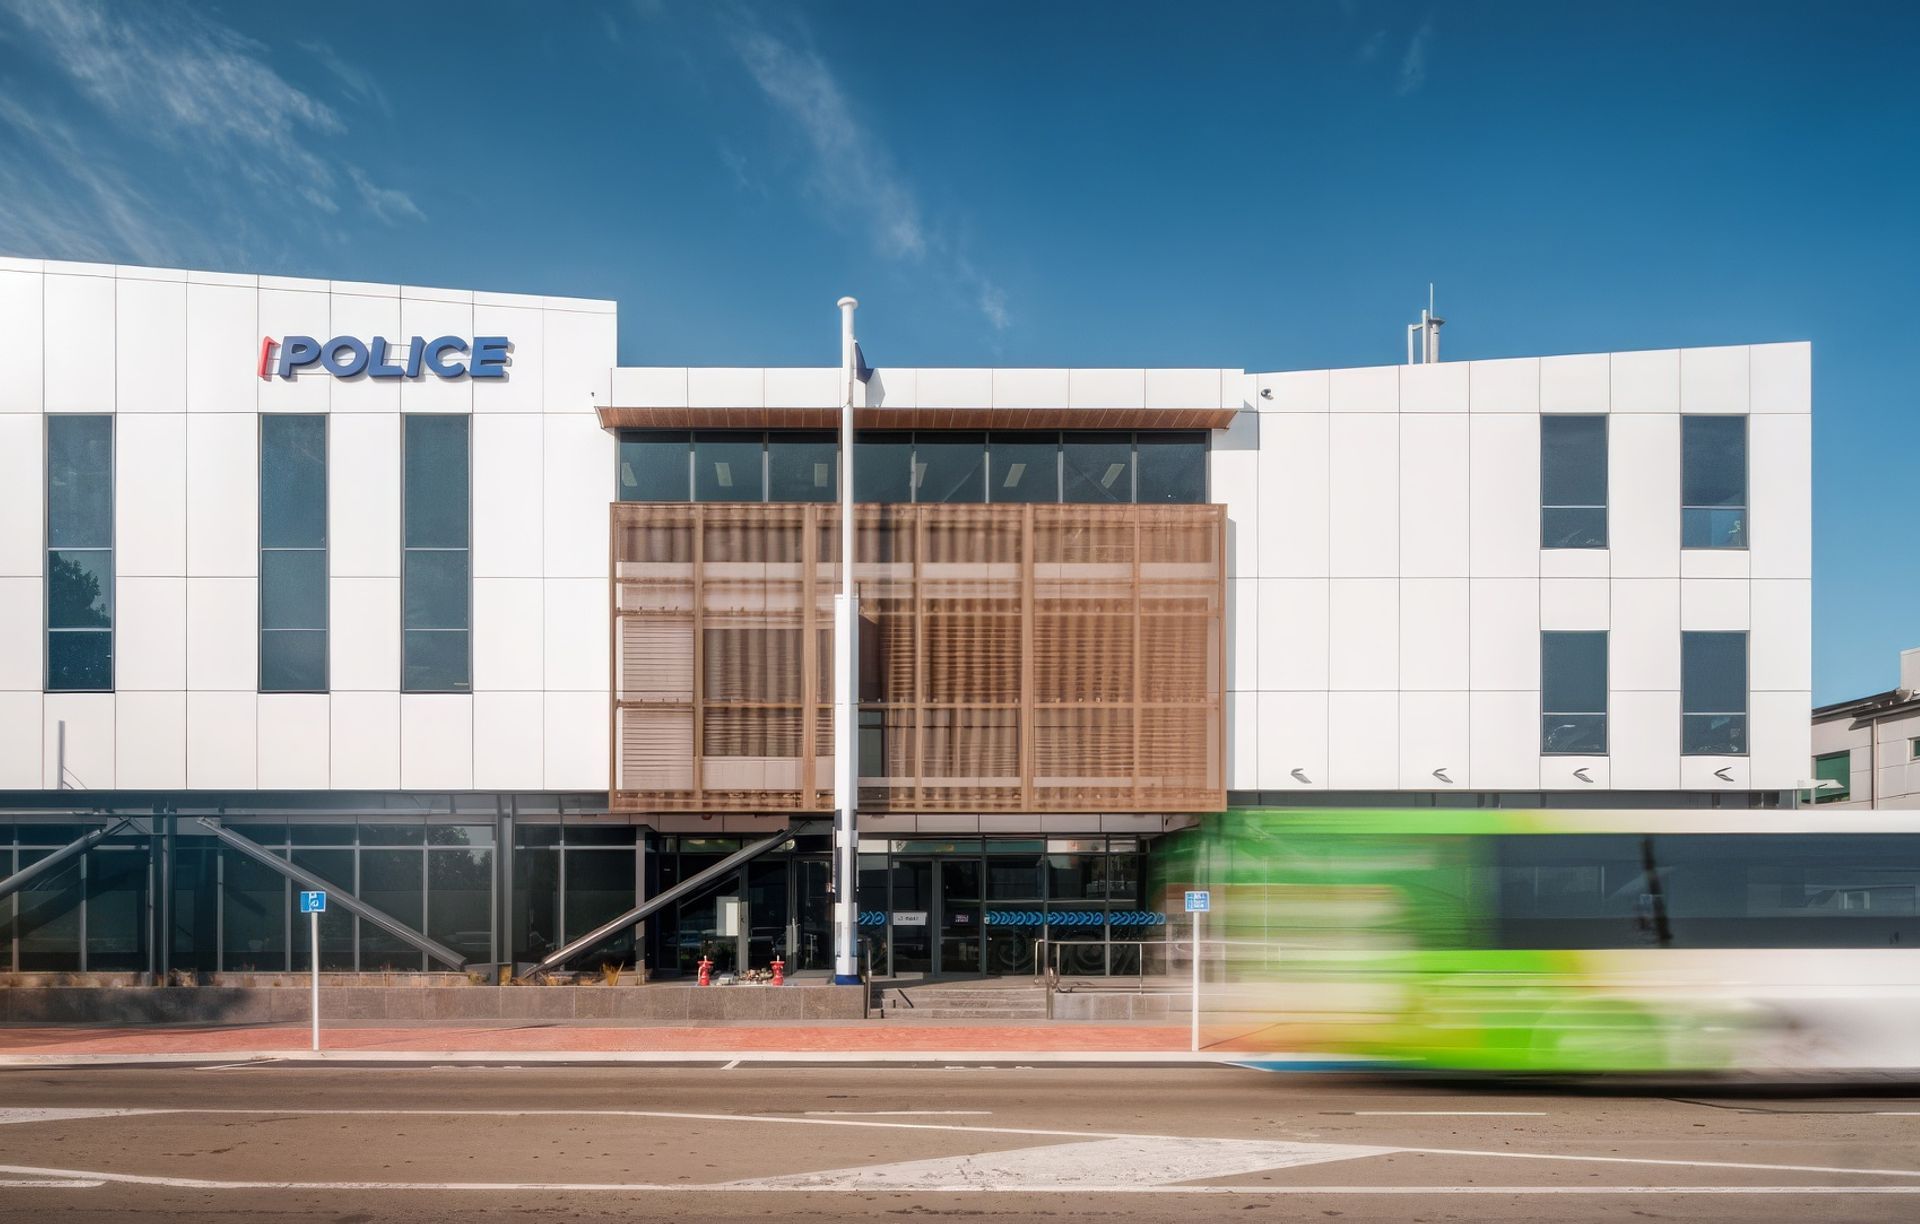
<point x="950" y="467"/>
<point x="79" y="482"/>
<point x="1172" y="468"/>
<point x="293" y="553"/>
<point x="1023" y="467"/>
<point x="1713" y="482"/>
<point x="293" y="481"/>
<point x="726" y="467"/>
<point x="436" y="481"/>
<point x="1573" y="692"/>
<point x="883" y="467"/>
<point x="654" y="465"/>
<point x="436" y="577"/>
<point x="1573" y="481"/>
<point x="79" y="542"/>
<point x="803" y="467"/>
<point x="1713" y="693"/>
<point x="1097" y="467"/>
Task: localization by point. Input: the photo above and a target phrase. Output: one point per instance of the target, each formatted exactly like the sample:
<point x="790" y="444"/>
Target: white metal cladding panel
<point x="150" y="634"/>
<point x="1433" y="634"/>
<point x="366" y="317"/>
<point x="1781" y="738"/>
<point x="1293" y="634"/>
<point x="1504" y="495"/>
<point x="576" y="630"/>
<point x="1781" y="649"/>
<point x="1294" y="495"/>
<point x="1243" y="745"/>
<point x="1293" y="391"/>
<point x="1233" y="462"/>
<point x="1363" y="741"/>
<point x="1433" y="496"/>
<point x="508" y="641"/>
<point x="1643" y="738"/>
<point x="508" y="501"/>
<point x="1575" y="563"/>
<point x="1364" y="495"/>
<point x="819" y="387"/>
<point x="20" y="322"/>
<point x="88" y="719"/>
<point x="223" y="348"/>
<point x="364" y="741"/>
<point x="523" y="387"/>
<point x="1293" y="736"/>
<point x="578" y="459"/>
<point x="576" y="741"/>
<point x="1780" y="485"/>
<point x="294" y="741"/>
<point x="222" y="741"/>
<point x="1575" y="603"/>
<point x="1644" y="647"/>
<point x="1726" y="773"/>
<point x="1713" y="380"/>
<point x="289" y="312"/>
<point x="726" y="387"/>
<point x="1576" y="773"/>
<point x="427" y="319"/>
<point x="1434" y="387"/>
<point x="150" y="494"/>
<point x="23" y="544"/>
<point x="1126" y="388"/>
<point x="150" y="740"/>
<point x="22" y="605"/>
<point x="79" y="344"/>
<point x="1505" y="749"/>
<point x="1781" y="377"/>
<point x="1244" y="630"/>
<point x="1643" y="495"/>
<point x="364" y="633"/>
<point x="1713" y="603"/>
<point x="1504" y="632"/>
<point x="223" y="494"/>
<point x="223" y="619"/>
<point x="579" y="351"/>
<point x="1433" y="741"/>
<point x="1580" y="383"/>
<point x="508" y="741"/>
<point x="1363" y="634"/>
<point x="1510" y="385"/>
<point x="20" y="740"/>
<point x="363" y="495"/>
<point x="1647" y="381"/>
<point x="1366" y="389"/>
<point x="436" y="741"/>
<point x="150" y="346"/>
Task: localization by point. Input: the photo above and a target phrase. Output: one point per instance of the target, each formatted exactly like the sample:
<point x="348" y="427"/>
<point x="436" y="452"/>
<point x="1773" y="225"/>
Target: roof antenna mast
<point x="1429" y="330"/>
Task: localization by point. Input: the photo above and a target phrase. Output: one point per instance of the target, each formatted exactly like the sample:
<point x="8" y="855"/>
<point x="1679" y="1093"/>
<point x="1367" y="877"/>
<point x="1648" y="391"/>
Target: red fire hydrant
<point x="779" y="972"/>
<point x="706" y="971"/>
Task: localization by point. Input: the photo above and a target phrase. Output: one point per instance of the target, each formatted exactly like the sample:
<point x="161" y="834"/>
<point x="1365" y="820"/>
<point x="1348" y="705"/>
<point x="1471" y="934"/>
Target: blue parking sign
<point x="313" y="903"/>
<point x="1199" y="901"/>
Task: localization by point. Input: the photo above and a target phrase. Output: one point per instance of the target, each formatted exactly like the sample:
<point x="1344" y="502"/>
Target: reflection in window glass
<point x="1097" y="467"/>
<point x="1573" y="481"/>
<point x="1023" y="467"/>
<point x="253" y="915"/>
<point x="802" y="467"/>
<point x="600" y="887"/>
<point x="436" y="575"/>
<point x="1573" y="692"/>
<point x="1172" y="468"/>
<point x="79" y="542"/>
<point x="653" y="465"/>
<point x="726" y="467"/>
<point x="1713" y="482"/>
<point x="293" y="553"/>
<point x="390" y="881"/>
<point x="460" y="901"/>
<point x="1713" y="693"/>
<point x="1837" y="768"/>
<point x="949" y="467"/>
<point x="883" y="467"/>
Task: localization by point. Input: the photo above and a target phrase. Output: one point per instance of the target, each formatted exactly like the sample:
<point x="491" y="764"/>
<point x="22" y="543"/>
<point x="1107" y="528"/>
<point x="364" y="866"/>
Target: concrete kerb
<point x="1005" y="1059"/>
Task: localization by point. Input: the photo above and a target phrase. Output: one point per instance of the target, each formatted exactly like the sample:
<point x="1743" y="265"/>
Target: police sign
<point x="350" y="357"/>
<point x="313" y="903"/>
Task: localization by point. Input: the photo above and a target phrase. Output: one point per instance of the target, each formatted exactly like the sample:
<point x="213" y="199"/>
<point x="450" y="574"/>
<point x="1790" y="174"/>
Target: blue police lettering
<point x="441" y="346"/>
<point x="489" y="357"/>
<point x="295" y="352"/>
<point x="355" y="361"/>
<point x="351" y="357"/>
<point x="378" y="367"/>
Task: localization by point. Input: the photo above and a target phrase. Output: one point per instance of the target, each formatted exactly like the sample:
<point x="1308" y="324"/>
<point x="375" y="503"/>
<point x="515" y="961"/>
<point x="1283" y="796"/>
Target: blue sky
<point x="1266" y="186"/>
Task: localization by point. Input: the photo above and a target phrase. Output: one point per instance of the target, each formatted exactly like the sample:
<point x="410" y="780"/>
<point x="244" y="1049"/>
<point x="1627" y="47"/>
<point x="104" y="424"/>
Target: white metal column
<point x="846" y="689"/>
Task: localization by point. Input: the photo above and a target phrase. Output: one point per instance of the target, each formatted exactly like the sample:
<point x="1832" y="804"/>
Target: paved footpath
<point x="848" y="1038"/>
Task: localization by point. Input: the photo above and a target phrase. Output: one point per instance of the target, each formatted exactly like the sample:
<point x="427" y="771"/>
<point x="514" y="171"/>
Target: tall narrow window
<point x="293" y="554"/>
<point x="1713" y="482"/>
<point x="1713" y="694"/>
<point x="79" y="553"/>
<point x="1573" y="481"/>
<point x="437" y="592"/>
<point x="1573" y="693"/>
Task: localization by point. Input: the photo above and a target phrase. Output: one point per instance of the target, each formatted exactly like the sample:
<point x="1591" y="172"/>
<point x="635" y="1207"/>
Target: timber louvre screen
<point x="1044" y="658"/>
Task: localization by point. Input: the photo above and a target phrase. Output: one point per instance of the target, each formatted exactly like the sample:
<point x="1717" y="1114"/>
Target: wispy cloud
<point x="1413" y="65"/>
<point x="162" y="77"/>
<point x="851" y="172"/>
<point x="355" y="82"/>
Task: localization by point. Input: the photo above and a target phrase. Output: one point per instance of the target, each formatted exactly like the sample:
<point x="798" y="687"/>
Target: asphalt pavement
<point x="260" y="1139"/>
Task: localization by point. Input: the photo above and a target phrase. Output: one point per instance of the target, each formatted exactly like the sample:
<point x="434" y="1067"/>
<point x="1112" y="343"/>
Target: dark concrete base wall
<point x="615" y="1004"/>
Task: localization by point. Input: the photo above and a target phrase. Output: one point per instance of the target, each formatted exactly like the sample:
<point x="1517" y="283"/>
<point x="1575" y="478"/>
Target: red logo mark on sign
<point x="266" y="353"/>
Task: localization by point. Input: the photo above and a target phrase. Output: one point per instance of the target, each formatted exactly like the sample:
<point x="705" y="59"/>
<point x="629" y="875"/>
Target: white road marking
<point x="1448" y="1113"/>
<point x="1103" y="1164"/>
<point x="57" y="1183"/>
<point x="9" y="1117"/>
<point x="1650" y="1160"/>
<point x="899" y="1113"/>
<point x="239" y="1066"/>
<point x="730" y="1066"/>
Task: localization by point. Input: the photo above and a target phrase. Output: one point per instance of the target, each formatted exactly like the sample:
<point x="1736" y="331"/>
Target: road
<point x="711" y="1143"/>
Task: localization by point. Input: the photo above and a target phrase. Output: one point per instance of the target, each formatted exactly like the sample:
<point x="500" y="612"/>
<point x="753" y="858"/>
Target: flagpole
<point x="846" y="657"/>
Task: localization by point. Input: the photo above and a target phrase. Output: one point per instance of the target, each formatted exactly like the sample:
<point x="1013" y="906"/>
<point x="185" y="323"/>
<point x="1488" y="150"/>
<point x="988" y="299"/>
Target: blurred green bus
<point x="1564" y="941"/>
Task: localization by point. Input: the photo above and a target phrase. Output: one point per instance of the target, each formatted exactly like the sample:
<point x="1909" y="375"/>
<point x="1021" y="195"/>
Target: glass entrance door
<point x="912" y="916"/>
<point x="960" y="918"/>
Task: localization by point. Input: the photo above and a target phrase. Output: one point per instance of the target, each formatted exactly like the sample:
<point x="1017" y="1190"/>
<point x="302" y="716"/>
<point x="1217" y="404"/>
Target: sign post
<point x="1198" y="902"/>
<point x="314" y="904"/>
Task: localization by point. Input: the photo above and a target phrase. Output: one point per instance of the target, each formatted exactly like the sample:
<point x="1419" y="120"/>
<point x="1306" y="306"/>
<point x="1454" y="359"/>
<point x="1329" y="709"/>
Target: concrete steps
<point x="948" y="1001"/>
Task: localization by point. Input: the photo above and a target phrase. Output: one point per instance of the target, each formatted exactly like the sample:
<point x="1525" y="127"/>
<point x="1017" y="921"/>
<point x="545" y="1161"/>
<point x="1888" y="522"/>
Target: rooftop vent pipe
<point x="1429" y="329"/>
